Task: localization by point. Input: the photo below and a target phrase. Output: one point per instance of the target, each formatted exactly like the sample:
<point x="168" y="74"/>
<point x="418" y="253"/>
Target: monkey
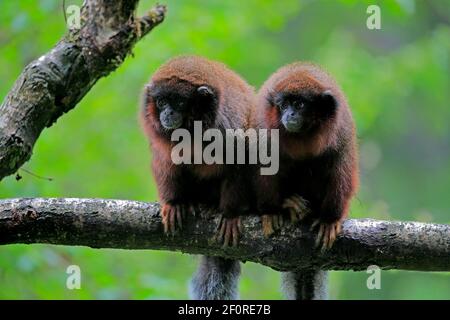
<point x="184" y="90"/>
<point x="318" y="171"/>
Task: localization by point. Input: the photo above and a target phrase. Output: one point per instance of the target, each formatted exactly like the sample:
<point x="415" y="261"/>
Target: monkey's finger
<point x="275" y="223"/>
<point x="172" y="220"/>
<point x="281" y="220"/>
<point x="285" y="204"/>
<point x="332" y="236"/>
<point x="314" y="224"/>
<point x="192" y="210"/>
<point x="267" y="225"/>
<point x="320" y="235"/>
<point x="164" y="218"/>
<point x="228" y="230"/>
<point x="325" y="237"/>
<point x="166" y="227"/>
<point x="179" y="211"/>
<point x="338" y="228"/>
<point x="235" y="234"/>
<point x="239" y="225"/>
<point x="288" y="203"/>
<point x="293" y="215"/>
<point x="219" y="225"/>
<point x="222" y="230"/>
<point x="294" y="204"/>
<point x="324" y="243"/>
<point x="302" y="203"/>
<point x="295" y="198"/>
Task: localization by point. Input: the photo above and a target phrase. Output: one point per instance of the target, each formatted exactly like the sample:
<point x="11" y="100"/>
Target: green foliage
<point x="396" y="80"/>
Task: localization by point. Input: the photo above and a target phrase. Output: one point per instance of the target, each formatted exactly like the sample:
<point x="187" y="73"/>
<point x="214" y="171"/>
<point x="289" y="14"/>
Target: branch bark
<point x="53" y="84"/>
<point x="124" y="224"/>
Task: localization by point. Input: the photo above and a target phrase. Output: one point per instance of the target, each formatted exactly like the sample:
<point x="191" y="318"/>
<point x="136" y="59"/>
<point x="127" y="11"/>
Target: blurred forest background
<point x="396" y="79"/>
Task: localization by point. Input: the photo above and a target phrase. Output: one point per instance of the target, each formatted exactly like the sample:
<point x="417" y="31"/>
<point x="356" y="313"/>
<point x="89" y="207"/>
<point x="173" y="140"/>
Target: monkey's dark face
<point x="301" y="112"/>
<point x="177" y="105"/>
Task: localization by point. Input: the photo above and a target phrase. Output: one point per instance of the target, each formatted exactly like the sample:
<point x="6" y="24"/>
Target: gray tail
<point x="305" y="285"/>
<point x="215" y="279"/>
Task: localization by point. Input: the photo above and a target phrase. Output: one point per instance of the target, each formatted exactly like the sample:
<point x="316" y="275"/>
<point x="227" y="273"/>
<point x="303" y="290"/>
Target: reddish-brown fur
<point x="213" y="185"/>
<point x="320" y="166"/>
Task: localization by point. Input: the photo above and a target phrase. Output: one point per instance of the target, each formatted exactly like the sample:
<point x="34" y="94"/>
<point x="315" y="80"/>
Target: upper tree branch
<point x="136" y="225"/>
<point x="53" y="84"/>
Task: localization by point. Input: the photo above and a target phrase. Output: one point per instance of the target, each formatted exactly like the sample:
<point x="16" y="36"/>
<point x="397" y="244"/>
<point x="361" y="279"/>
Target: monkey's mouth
<point x="292" y="126"/>
<point x="171" y="123"/>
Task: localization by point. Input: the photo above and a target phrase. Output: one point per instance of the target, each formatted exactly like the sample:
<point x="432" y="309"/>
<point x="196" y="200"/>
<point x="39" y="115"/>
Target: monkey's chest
<point x="206" y="171"/>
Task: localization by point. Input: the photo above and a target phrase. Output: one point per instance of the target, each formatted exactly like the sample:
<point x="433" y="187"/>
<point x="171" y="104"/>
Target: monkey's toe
<point x="271" y="223"/>
<point x="327" y="233"/>
<point x="297" y="207"/>
<point x="228" y="231"/>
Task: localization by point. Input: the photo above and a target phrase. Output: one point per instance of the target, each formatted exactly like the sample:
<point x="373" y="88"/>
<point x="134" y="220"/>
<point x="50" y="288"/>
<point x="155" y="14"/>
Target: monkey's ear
<point x="149" y="90"/>
<point x="328" y="100"/>
<point x="270" y="98"/>
<point x="146" y="94"/>
<point x="205" y="91"/>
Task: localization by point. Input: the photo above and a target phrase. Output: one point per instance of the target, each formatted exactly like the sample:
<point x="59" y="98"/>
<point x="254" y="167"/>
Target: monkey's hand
<point x="174" y="214"/>
<point x="271" y="223"/>
<point x="328" y="231"/>
<point x="297" y="207"/>
<point x="228" y="231"/>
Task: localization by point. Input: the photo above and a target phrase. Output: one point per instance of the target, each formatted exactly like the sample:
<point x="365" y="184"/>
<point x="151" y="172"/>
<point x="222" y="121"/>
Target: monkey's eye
<point x="159" y="103"/>
<point x="282" y="106"/>
<point x="298" y="104"/>
<point x="277" y="101"/>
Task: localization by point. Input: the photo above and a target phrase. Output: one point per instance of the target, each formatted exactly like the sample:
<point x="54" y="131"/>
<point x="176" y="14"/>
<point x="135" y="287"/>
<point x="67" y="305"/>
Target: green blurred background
<point x="396" y="79"/>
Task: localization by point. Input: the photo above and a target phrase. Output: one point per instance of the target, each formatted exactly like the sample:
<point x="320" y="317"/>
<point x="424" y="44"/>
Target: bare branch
<point x="124" y="224"/>
<point x="53" y="84"/>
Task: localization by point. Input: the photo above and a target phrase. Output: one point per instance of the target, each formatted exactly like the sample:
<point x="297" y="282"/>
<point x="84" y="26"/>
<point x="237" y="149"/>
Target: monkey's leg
<point x="228" y="231"/>
<point x="305" y="285"/>
<point x="327" y="233"/>
<point x="216" y="279"/>
<point x="297" y="207"/>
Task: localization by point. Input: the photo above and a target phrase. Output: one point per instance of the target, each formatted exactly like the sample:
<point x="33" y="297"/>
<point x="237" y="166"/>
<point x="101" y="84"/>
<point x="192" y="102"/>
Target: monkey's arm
<point x="338" y="187"/>
<point x="172" y="193"/>
<point x="234" y="201"/>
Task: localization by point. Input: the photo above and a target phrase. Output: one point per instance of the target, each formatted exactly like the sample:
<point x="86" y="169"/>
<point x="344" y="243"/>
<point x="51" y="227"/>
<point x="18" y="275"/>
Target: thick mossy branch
<point x="53" y="84"/>
<point x="124" y="224"/>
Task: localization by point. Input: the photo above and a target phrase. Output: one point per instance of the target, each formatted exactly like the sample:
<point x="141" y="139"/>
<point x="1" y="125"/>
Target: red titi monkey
<point x="318" y="155"/>
<point x="184" y="90"/>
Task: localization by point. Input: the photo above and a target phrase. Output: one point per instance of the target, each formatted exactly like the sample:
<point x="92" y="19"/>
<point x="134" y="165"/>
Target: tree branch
<point x="124" y="224"/>
<point x="53" y="84"/>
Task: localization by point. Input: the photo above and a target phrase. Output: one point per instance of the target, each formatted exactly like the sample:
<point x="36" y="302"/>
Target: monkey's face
<point x="303" y="111"/>
<point x="177" y="104"/>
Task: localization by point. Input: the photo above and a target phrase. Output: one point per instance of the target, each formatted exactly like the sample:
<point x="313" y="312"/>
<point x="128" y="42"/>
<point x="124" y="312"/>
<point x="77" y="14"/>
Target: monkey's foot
<point x="297" y="207"/>
<point x="228" y="231"/>
<point x="271" y="223"/>
<point x="173" y="215"/>
<point x="327" y="233"/>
